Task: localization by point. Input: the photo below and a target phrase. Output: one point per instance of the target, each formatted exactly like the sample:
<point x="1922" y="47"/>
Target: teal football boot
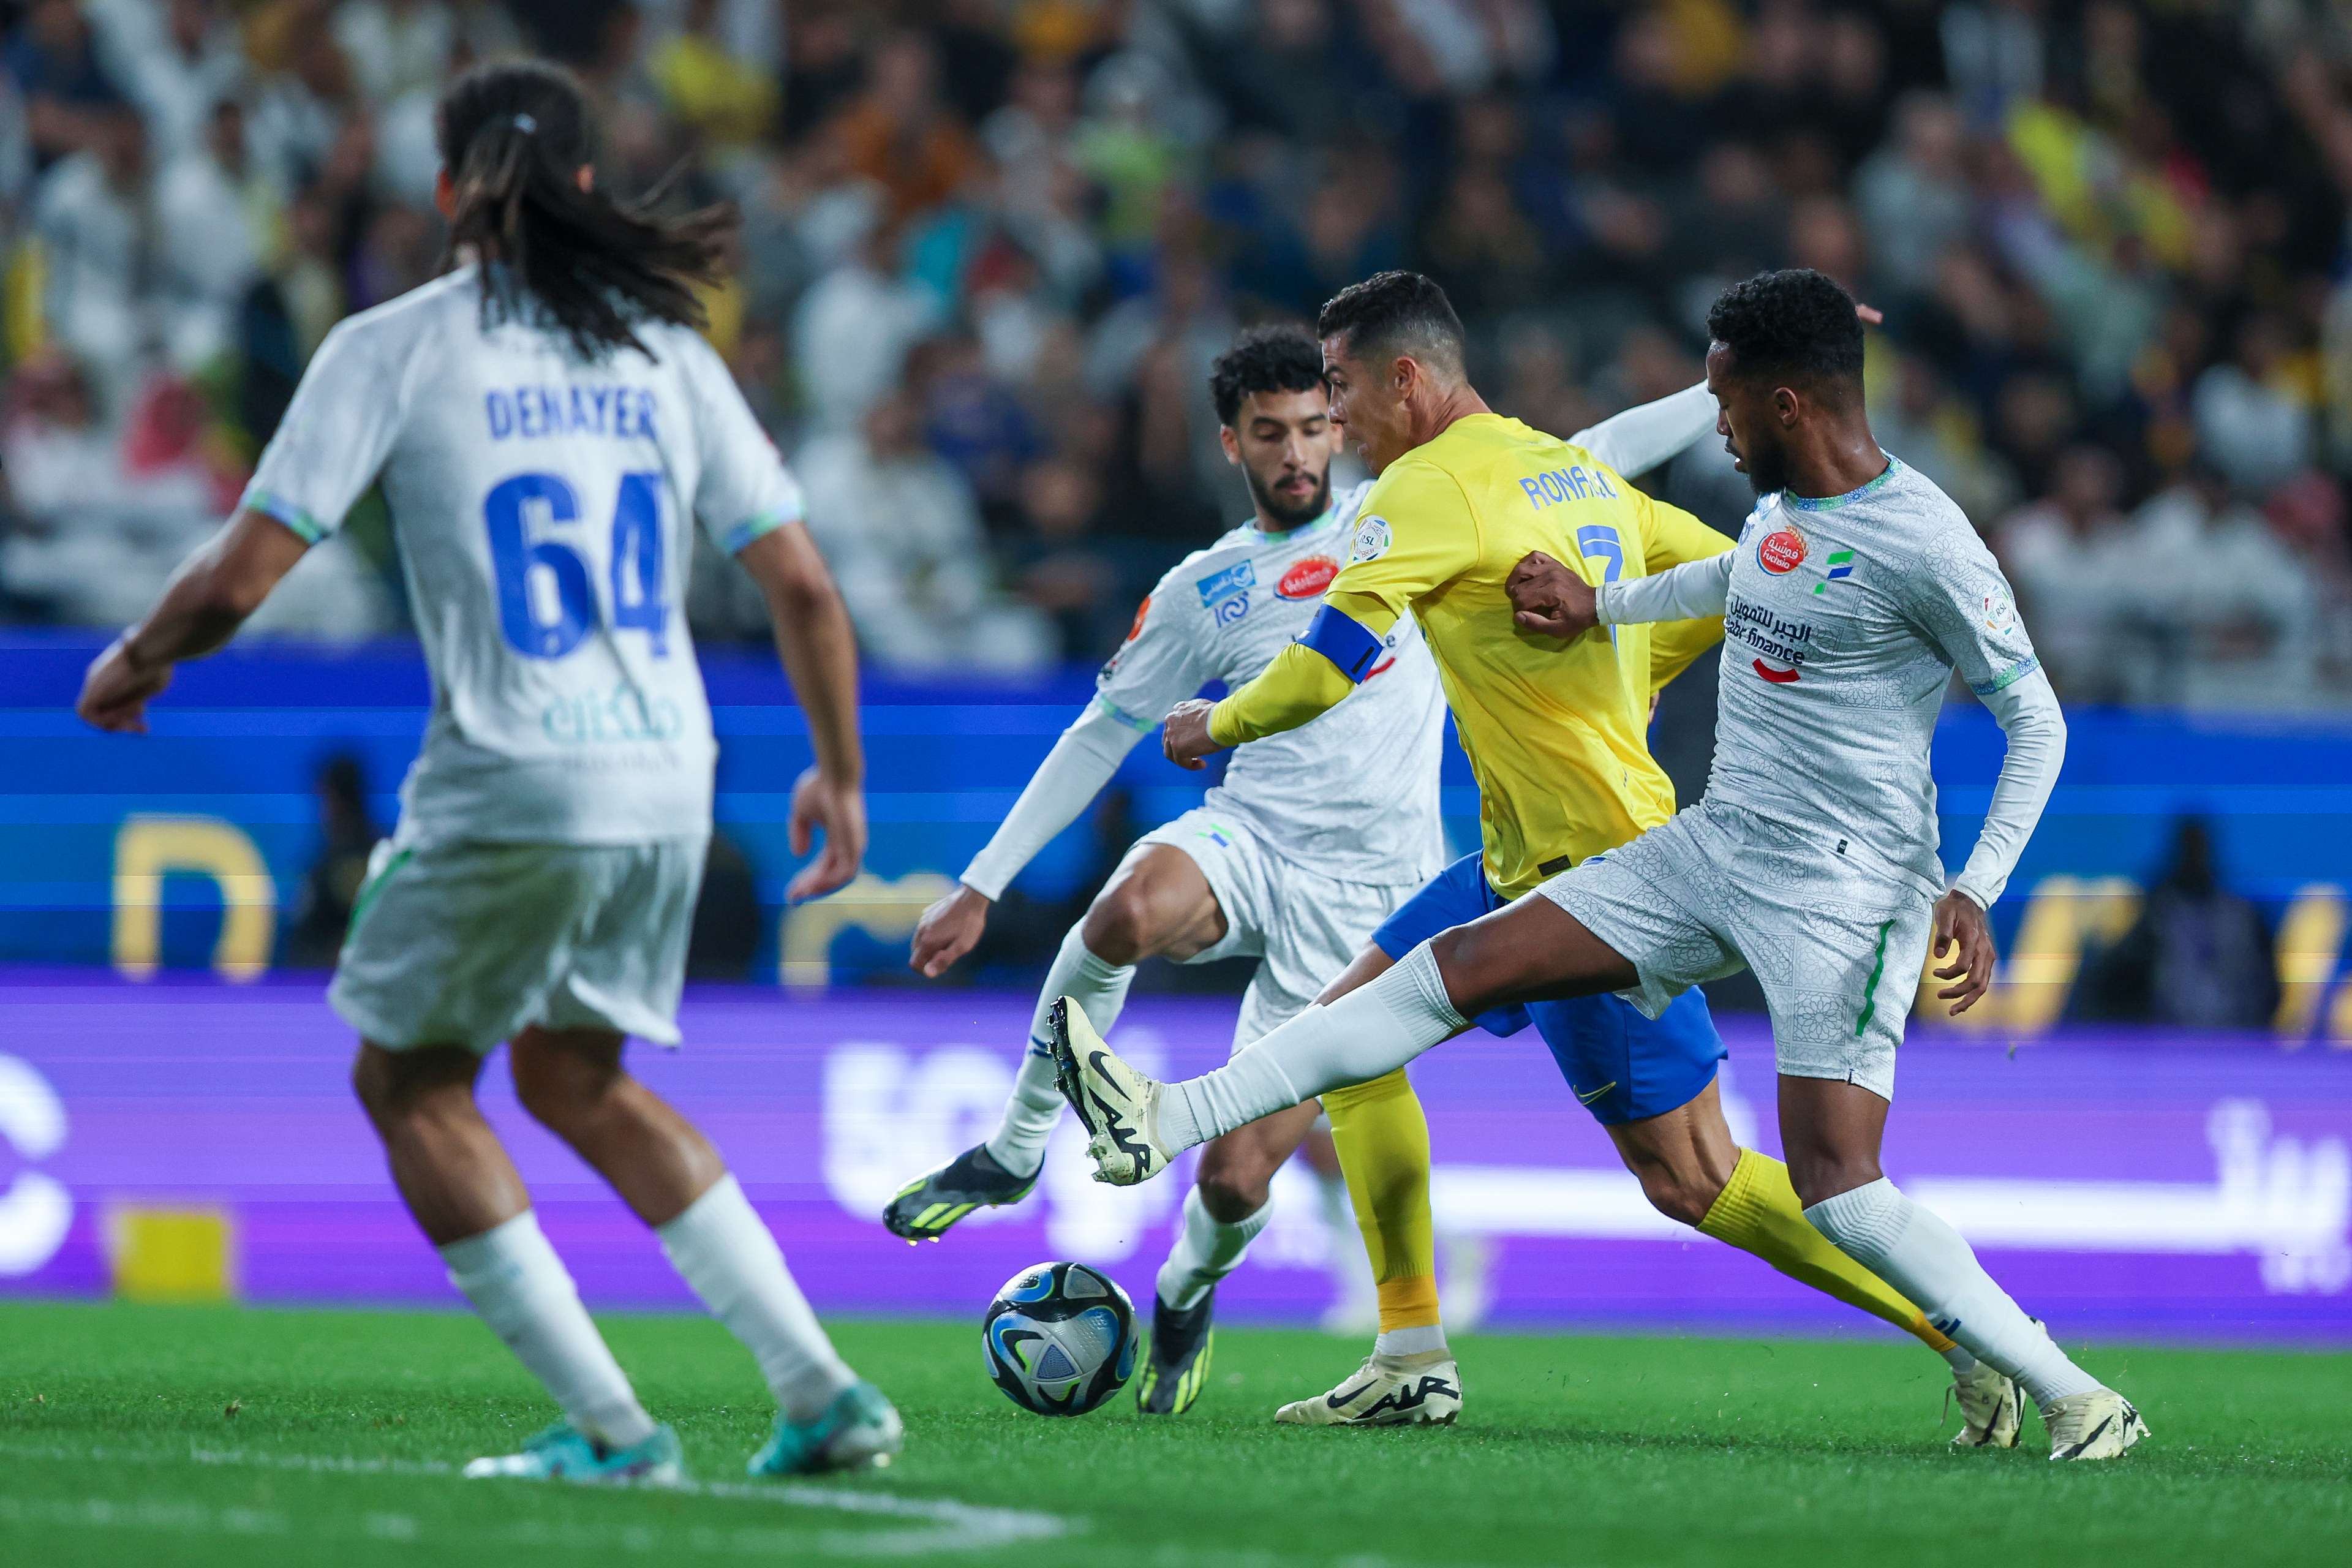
<point x="564" y="1452"/>
<point x="857" y="1430"/>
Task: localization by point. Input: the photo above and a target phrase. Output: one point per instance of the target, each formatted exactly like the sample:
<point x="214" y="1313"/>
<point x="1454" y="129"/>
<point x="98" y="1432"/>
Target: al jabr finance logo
<point x="36" y="1210"/>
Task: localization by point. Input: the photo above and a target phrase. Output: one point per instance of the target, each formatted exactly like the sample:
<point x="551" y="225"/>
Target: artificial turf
<point x="150" y="1435"/>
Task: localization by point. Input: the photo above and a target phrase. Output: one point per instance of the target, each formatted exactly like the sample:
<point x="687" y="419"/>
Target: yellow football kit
<point x="1556" y="733"/>
<point x="1557" y="737"/>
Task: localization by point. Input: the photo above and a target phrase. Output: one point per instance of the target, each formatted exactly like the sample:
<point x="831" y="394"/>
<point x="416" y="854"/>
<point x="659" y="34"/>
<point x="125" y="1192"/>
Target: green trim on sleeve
<point x="303" y="526"/>
<point x="1141" y="726"/>
<point x="738" y="537"/>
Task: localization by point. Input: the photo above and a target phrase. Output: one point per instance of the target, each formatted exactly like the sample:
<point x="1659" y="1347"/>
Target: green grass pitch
<point x="153" y="1436"/>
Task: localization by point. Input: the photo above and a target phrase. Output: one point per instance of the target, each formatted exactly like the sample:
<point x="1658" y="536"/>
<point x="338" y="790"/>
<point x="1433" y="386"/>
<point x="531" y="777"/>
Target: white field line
<point x="943" y="1524"/>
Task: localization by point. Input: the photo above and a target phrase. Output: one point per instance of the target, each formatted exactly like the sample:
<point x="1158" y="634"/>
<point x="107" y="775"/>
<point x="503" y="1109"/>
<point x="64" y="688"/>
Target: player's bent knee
<point x="1236" y="1179"/>
<point x="391" y="1085"/>
<point x="1119" y="927"/>
<point x="559" y="1088"/>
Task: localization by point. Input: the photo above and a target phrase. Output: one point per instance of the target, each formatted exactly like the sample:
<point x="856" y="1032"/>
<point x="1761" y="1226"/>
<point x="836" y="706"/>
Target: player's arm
<point x="213" y="594"/>
<point x="819" y="652"/>
<point x="1415" y="533"/>
<point x="1965" y="609"/>
<point x="751" y="508"/>
<point x="1156" y="664"/>
<point x="1550" y="600"/>
<point x="1638" y="439"/>
<point x="326" y="452"/>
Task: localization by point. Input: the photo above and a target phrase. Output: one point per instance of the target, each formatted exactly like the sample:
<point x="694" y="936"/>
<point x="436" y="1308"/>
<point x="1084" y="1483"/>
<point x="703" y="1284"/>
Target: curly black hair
<point x="1796" y="324"/>
<point x="1395" y="313"/>
<point x="1277" y="358"/>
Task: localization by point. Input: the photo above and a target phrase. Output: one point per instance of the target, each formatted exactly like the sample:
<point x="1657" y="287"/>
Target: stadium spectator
<point x="2199" y="956"/>
<point x="2072" y="250"/>
<point x="2069" y="556"/>
<point x="348" y="836"/>
<point x="900" y="527"/>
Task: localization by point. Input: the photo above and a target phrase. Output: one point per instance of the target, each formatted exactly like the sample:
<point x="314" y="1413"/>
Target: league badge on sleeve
<point x="1372" y="541"/>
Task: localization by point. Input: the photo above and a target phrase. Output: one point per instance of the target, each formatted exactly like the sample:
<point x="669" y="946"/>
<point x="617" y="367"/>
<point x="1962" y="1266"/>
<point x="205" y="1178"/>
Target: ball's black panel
<point x="1059" y="1338"/>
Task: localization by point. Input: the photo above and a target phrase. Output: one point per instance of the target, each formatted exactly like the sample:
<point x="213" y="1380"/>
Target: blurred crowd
<point x="990" y="248"/>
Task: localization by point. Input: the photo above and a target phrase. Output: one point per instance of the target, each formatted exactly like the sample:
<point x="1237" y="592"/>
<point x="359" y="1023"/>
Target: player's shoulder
<point x="410" y="321"/>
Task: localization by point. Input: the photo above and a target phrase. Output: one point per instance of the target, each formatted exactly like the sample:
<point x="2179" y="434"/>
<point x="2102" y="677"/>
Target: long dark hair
<point x="514" y="136"/>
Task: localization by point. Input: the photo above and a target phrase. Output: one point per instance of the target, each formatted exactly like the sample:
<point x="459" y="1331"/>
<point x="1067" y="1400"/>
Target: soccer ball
<point x="1059" y="1338"/>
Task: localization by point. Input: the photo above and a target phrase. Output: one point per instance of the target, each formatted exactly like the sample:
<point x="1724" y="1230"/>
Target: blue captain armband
<point x="1344" y="642"/>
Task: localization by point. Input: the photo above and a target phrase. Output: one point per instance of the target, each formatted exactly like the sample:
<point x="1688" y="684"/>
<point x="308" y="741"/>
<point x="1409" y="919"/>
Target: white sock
<point x="1099" y="988"/>
<point x="1419" y="1340"/>
<point x="720" y="1249"/>
<point x="1913" y="1249"/>
<point x="1372" y="1030"/>
<point x="523" y="1292"/>
<point x="1961" y="1359"/>
<point x="1206" y="1250"/>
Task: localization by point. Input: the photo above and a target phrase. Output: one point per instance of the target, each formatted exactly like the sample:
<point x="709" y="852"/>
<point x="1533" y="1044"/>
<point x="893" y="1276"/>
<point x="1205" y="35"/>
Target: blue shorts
<point x="1621" y="1066"/>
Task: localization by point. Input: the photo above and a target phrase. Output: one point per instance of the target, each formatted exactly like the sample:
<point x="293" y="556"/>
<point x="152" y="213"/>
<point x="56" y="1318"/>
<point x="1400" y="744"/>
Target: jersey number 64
<point x="546" y="596"/>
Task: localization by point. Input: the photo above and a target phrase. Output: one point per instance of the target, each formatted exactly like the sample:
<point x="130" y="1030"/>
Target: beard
<point x="1282" y="512"/>
<point x="1768" y="467"/>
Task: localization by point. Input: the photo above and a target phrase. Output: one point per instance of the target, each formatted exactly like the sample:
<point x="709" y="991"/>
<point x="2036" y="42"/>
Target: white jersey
<point x="1351" y="795"/>
<point x="1843" y="621"/>
<point x="544" y="505"/>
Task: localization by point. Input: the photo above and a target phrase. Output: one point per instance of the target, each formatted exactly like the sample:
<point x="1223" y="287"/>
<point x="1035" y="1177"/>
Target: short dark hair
<point x="1797" y="324"/>
<point x="1276" y="358"/>
<point x="1395" y="313"/>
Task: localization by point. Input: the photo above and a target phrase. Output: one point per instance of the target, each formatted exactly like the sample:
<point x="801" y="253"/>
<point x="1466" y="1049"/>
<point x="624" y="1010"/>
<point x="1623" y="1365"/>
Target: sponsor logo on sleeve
<point x="1307" y="578"/>
<point x="1141" y="610"/>
<point x="1781" y="552"/>
<point x="1237" y="578"/>
<point x="1373" y="540"/>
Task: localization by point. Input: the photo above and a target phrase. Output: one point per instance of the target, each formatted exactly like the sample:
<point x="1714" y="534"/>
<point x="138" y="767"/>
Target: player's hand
<point x="840" y="812"/>
<point x="115" y="690"/>
<point x="1184" y="735"/>
<point x="1963" y="930"/>
<point x="1548" y="599"/>
<point x="948" y="930"/>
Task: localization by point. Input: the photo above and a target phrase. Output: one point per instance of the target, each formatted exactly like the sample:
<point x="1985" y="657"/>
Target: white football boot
<point x="1118" y="1106"/>
<point x="2099" y="1424"/>
<point x="1991" y="1408"/>
<point x="1386" y="1391"/>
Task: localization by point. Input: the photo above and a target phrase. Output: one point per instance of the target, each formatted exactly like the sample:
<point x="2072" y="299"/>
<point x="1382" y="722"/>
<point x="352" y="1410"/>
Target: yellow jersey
<point x="1556" y="733"/>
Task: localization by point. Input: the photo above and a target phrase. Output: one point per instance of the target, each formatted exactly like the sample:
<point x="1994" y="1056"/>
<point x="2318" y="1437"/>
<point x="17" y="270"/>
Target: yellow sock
<point x="1758" y="1212"/>
<point x="1383" y="1140"/>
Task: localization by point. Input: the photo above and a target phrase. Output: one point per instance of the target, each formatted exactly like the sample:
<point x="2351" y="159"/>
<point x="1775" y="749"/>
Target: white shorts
<point x="1836" y="942"/>
<point x="467" y="944"/>
<point x="1303" y="928"/>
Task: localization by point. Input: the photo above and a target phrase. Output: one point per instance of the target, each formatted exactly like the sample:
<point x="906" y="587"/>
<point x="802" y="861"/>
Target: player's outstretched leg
<point x="1692" y="1170"/>
<point x="467" y="1198"/>
<point x="573" y="1082"/>
<point x="1159" y="903"/>
<point x="1832" y="1130"/>
<point x="1004" y="1169"/>
<point x="1229" y="1205"/>
<point x="1380" y="1138"/>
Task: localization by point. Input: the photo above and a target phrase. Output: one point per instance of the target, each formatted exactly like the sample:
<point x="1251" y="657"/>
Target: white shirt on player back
<point x="543" y="504"/>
